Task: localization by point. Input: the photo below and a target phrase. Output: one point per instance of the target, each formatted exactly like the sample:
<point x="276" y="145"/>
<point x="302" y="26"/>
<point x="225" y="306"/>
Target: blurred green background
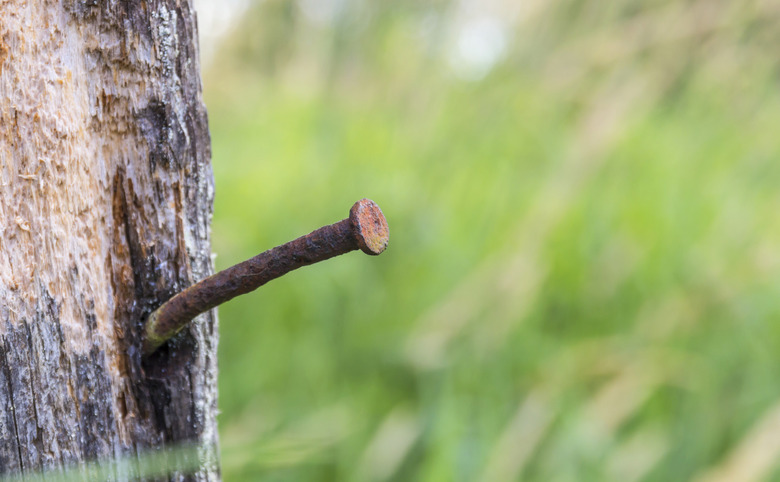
<point x="583" y="274"/>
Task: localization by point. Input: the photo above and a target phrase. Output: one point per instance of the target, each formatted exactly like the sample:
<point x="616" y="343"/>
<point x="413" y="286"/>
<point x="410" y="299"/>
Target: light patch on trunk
<point x="54" y="197"/>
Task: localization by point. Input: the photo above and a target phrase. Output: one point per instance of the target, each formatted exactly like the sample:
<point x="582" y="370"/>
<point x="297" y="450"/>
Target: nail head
<point x="370" y="227"/>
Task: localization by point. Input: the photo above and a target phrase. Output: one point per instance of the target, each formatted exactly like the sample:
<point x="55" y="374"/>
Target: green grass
<point x="582" y="278"/>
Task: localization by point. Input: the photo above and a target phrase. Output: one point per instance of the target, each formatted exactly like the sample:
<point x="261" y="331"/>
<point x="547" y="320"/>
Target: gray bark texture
<point x="105" y="205"/>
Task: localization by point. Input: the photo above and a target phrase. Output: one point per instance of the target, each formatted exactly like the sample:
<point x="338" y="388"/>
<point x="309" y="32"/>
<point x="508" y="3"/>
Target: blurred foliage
<point x="582" y="278"/>
<point x="157" y="464"/>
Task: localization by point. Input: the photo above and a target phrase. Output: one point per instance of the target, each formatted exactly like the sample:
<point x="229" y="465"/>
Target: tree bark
<point x="105" y="205"/>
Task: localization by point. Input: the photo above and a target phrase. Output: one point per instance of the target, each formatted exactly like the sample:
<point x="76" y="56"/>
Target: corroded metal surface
<point x="365" y="229"/>
<point x="370" y="227"/>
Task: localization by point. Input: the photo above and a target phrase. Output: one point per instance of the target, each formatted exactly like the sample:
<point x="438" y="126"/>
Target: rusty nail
<point x="365" y="229"/>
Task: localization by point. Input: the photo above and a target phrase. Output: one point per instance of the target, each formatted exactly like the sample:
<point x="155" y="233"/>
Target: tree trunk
<point x="105" y="204"/>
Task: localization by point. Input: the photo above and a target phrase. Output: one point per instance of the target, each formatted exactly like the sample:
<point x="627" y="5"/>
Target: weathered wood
<point x="105" y="204"/>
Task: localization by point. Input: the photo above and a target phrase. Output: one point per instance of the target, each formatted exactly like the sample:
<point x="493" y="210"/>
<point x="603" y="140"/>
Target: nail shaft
<point x="365" y="229"/>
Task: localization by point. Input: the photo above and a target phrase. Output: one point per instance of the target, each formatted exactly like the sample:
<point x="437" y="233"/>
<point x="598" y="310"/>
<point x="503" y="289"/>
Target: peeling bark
<point x="105" y="204"/>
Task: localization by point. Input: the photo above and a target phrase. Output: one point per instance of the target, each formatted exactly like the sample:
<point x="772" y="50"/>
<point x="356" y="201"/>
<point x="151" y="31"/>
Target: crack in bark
<point x="33" y="393"/>
<point x="7" y="369"/>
